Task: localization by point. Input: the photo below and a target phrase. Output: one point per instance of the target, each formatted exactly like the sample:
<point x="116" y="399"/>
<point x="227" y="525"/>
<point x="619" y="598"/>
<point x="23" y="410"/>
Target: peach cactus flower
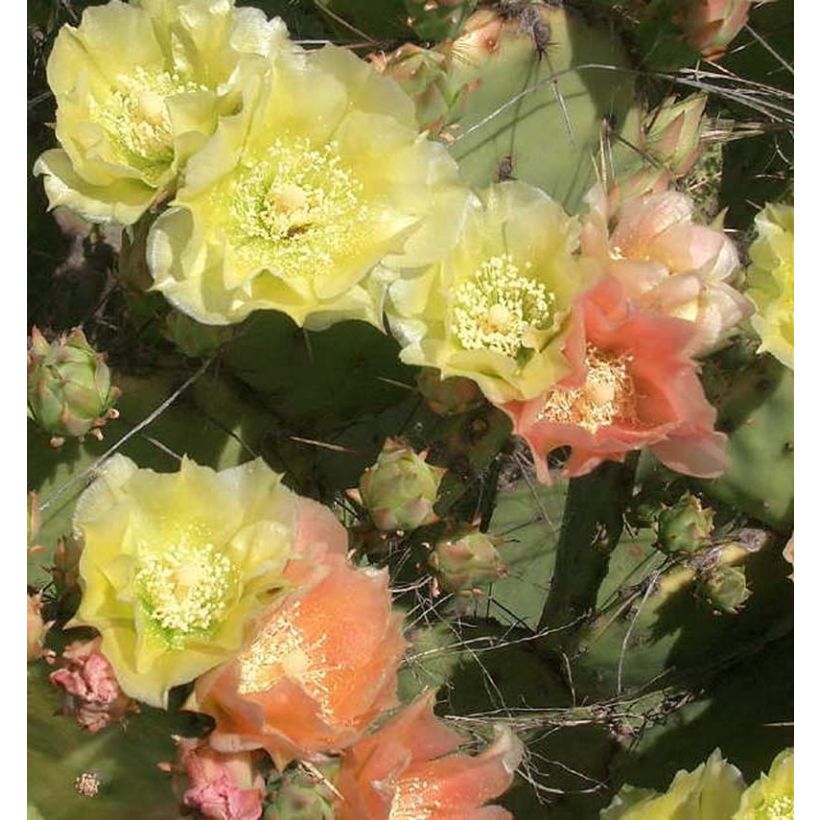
<point x="407" y="770"/>
<point x="322" y="666"/>
<point x="91" y="691"/>
<point x="633" y="385"/>
<point x="665" y="261"/>
<point x="223" y="787"/>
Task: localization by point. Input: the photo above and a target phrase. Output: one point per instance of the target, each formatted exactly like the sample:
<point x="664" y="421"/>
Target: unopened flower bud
<point x="298" y="794"/>
<point x="37" y="629"/>
<point x="710" y="25"/>
<point x="69" y="386"/>
<point x="400" y="489"/>
<point x="725" y="588"/>
<point x="684" y="527"/>
<point x="466" y="561"/>
<point x="673" y="133"/>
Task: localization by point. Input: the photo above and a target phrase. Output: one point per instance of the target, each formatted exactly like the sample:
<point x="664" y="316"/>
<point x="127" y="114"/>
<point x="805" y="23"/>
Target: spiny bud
<point x="466" y="561"/>
<point x="69" y="386"/>
<point x="448" y="397"/>
<point x="298" y="794"/>
<point x="672" y="134"/>
<point x="400" y="489"/>
<point x="725" y="588"/>
<point x="684" y="527"/>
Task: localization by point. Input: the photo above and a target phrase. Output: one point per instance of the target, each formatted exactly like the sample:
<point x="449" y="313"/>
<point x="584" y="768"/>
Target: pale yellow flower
<point x="493" y="310"/>
<point x="710" y="792"/>
<point x="772" y="796"/>
<point x="139" y="88"/>
<point x="174" y="565"/>
<point x="295" y="204"/>
<point x="771" y="281"/>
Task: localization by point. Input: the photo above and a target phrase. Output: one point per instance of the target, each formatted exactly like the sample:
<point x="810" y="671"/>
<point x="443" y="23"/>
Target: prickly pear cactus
<point x="405" y="438"/>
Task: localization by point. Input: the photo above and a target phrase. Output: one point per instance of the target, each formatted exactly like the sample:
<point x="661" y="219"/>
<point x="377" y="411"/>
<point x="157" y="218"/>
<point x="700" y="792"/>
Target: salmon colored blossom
<point x="407" y="771"/>
<point x="665" y="261"/>
<point x="633" y="385"/>
<point x="322" y="666"/>
<point x="91" y="691"/>
<point x="223" y="787"/>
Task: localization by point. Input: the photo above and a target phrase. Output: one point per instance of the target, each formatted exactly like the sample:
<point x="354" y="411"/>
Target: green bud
<point x="69" y="386"/>
<point x="684" y="527"/>
<point x="673" y="133"/>
<point x="400" y="489"/>
<point x="725" y="588"/>
<point x="448" y="397"/>
<point x="297" y="794"/>
<point x="467" y="561"/>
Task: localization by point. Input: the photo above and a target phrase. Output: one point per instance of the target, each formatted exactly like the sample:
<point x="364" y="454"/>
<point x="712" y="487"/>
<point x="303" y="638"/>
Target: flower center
<point x="608" y="395"/>
<point x="185" y="592"/>
<point x="777" y="808"/>
<point x="498" y="307"/>
<point x="137" y="121"/>
<point x="412" y="800"/>
<point x="282" y="650"/>
<point x="295" y="209"/>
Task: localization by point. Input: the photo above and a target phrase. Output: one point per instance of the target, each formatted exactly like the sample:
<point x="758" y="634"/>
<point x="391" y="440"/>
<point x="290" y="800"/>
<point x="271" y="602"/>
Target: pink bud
<point x="220" y="786"/>
<point x="92" y="693"/>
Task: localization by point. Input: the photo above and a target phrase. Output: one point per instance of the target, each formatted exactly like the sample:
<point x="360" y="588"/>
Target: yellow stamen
<point x="608" y="395"/>
<point x="497" y="307"/>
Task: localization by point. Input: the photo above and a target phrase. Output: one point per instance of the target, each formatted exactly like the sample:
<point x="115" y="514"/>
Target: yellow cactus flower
<point x="295" y="205"/>
<point x="710" y="792"/>
<point x="175" y="564"/>
<point x="772" y="796"/>
<point x="493" y="309"/>
<point x="771" y="281"/>
<point x="139" y="88"/>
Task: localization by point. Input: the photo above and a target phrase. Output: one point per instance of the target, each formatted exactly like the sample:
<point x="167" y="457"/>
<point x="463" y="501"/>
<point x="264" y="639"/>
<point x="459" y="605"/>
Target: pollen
<point x="295" y="209"/>
<point x="497" y="307"/>
<point x="185" y="591"/>
<point x="413" y="799"/>
<point x="282" y="650"/>
<point x="137" y="121"/>
<point x="777" y="808"/>
<point x="608" y="395"/>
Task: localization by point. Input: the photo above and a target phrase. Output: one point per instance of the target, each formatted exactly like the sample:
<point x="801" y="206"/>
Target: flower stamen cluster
<point x="136" y="119"/>
<point x="607" y="395"/>
<point x="281" y="651"/>
<point x="495" y="309"/>
<point x="295" y="208"/>
<point x="185" y="592"/>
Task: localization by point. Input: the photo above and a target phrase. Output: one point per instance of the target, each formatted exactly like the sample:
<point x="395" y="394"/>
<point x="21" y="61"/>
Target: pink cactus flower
<point x="710" y="25"/>
<point x="632" y="385"/>
<point x="91" y="692"/>
<point x="665" y="261"/>
<point x="407" y="769"/>
<point x="321" y="665"/>
<point x="219" y="786"/>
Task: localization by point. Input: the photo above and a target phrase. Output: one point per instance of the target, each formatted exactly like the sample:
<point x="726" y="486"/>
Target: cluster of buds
<point x="466" y="561"/>
<point x="400" y="489"/>
<point x="70" y="393"/>
<point x="91" y="692"/>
